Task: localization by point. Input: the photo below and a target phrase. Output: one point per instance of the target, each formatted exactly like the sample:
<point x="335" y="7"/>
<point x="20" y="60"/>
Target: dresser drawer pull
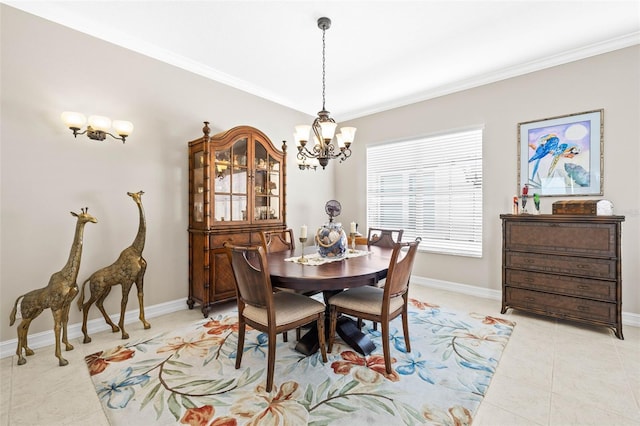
<point x="583" y="287"/>
<point x="529" y="299"/>
<point x="579" y="266"/>
<point x="528" y="280"/>
<point x="583" y="308"/>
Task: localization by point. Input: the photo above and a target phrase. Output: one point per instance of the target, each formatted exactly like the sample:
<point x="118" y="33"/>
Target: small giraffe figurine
<point x="129" y="268"/>
<point x="57" y="295"/>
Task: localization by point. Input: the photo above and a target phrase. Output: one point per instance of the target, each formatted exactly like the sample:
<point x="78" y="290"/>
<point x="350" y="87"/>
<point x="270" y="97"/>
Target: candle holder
<point x="353" y="242"/>
<point x="302" y="258"/>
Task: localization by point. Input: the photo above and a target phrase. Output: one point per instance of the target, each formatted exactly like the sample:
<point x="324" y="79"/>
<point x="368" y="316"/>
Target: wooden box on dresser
<point x="564" y="266"/>
<point x="237" y="182"/>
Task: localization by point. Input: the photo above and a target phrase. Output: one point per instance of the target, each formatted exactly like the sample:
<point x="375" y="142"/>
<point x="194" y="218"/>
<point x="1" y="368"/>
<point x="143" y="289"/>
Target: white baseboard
<point x="470" y="290"/>
<point x="46" y="338"/>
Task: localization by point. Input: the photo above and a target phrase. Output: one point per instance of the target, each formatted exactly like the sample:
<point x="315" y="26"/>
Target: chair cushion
<point x="289" y="307"/>
<point x="366" y="299"/>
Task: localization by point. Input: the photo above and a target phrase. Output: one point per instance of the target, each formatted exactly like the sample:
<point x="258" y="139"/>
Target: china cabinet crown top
<point x="232" y="134"/>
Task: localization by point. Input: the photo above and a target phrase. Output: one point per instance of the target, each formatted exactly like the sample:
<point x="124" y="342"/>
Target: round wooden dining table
<point x="331" y="278"/>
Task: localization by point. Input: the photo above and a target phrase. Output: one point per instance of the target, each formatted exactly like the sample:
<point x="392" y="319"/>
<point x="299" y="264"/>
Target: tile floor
<point x="551" y="373"/>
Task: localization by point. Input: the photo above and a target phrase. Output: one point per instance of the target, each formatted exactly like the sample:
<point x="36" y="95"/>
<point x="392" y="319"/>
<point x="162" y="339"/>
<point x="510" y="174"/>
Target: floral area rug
<point x="188" y="376"/>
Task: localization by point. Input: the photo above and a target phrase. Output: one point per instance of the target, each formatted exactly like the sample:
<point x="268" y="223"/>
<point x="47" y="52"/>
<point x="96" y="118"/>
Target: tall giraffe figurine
<point x="129" y="268"/>
<point x="57" y="295"/>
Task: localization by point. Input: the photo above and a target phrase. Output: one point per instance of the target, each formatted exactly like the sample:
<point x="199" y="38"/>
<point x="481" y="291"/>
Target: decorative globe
<point x="331" y="240"/>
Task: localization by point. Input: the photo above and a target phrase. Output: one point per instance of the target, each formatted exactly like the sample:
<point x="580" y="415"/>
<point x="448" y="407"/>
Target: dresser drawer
<point x="595" y="239"/>
<point x="570" y="286"/>
<point x="561" y="306"/>
<point x="236" y="239"/>
<point x="593" y="268"/>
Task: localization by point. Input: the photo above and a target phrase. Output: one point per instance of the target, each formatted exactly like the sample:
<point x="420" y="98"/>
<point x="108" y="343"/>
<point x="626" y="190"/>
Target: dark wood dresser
<point x="564" y="266"/>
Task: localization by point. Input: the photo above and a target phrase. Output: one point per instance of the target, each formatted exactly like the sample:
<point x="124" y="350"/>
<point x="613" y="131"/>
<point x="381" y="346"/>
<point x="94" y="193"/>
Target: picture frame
<point x="563" y="155"/>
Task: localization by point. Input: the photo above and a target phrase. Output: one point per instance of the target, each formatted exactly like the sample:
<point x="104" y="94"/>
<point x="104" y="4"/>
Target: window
<point x="432" y="188"/>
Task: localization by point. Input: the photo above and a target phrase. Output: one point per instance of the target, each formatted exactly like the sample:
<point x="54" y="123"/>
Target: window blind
<point x="432" y="188"/>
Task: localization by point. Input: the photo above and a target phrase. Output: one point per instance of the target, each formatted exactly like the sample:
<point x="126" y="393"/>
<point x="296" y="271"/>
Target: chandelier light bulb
<point x="348" y="134"/>
<point x="302" y="132"/>
<point x="328" y="130"/>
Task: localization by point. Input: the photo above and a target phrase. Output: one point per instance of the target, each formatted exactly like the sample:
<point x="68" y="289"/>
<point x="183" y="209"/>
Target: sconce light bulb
<point x="100" y="123"/>
<point x="123" y="128"/>
<point x="73" y="120"/>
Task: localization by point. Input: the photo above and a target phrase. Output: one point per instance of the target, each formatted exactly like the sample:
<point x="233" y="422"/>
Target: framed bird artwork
<point x="562" y="156"/>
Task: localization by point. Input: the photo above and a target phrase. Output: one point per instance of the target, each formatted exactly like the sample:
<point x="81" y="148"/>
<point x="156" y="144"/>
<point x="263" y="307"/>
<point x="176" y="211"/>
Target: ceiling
<point x="379" y="54"/>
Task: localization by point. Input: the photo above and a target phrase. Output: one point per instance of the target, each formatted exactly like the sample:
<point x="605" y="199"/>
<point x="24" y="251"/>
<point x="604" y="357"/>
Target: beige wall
<point x="610" y="81"/>
<point x="45" y="172"/>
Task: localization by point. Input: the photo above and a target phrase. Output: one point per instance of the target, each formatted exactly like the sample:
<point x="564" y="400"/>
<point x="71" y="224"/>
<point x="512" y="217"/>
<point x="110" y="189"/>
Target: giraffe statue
<point x="129" y="268"/>
<point x="57" y="295"/>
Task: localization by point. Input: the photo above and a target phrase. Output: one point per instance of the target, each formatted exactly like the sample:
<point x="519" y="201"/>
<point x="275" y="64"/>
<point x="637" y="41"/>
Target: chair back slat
<point x="384" y="237"/>
<point x="253" y="283"/>
<point x="277" y="241"/>
<point x="400" y="267"/>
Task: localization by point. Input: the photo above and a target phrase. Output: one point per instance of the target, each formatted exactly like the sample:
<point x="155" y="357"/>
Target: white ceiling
<point x="379" y="54"/>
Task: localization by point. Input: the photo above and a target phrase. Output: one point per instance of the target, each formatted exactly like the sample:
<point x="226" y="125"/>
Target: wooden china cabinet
<point x="236" y="190"/>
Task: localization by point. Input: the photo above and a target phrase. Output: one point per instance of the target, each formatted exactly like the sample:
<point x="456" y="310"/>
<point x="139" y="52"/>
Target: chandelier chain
<point x="323" y="69"/>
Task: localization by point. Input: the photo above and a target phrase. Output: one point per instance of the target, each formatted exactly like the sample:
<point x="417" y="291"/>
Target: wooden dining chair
<point x="266" y="311"/>
<point x="277" y="241"/>
<point x="380" y="304"/>
<point x="384" y="237"/>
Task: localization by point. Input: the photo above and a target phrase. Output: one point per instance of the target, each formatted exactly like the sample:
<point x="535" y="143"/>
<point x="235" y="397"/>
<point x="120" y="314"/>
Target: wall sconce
<point x="98" y="126"/>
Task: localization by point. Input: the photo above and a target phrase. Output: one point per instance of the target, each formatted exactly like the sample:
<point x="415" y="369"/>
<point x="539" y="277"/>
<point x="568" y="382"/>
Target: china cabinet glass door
<point x="230" y="182"/>
<point x="267" y="185"/>
<point x="198" y="185"/>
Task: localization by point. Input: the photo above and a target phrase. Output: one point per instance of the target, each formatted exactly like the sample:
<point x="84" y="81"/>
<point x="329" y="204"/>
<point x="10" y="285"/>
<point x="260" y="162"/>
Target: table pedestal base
<point x="347" y="329"/>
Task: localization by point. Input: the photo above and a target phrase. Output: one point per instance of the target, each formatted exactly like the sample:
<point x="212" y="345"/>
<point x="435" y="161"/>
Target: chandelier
<point x="324" y="147"/>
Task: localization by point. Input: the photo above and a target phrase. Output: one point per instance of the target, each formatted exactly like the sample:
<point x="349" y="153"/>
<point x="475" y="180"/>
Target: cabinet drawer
<point x="598" y="239"/>
<point x="561" y="306"/>
<point x="594" y="268"/>
<point x="570" y="286"/>
<point x="237" y="239"/>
